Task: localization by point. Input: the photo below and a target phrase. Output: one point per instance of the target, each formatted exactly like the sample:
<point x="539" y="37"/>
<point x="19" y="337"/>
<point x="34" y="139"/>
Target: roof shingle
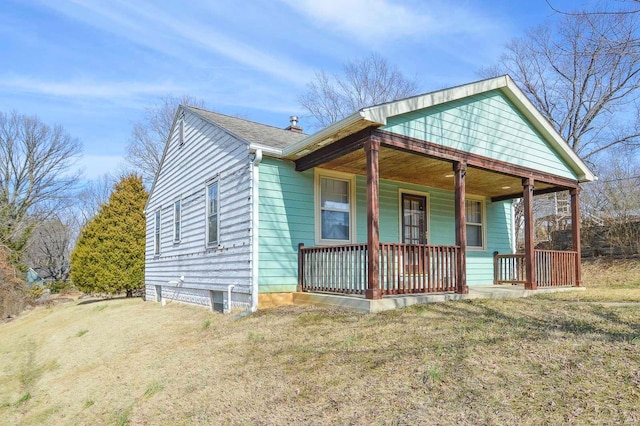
<point x="251" y="131"/>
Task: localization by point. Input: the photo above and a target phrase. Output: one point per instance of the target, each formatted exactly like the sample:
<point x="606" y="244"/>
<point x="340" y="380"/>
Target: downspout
<point x="255" y="226"/>
<point x="229" y="288"/>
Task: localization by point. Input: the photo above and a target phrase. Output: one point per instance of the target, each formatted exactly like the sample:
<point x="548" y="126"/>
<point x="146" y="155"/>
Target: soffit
<point x="405" y="167"/>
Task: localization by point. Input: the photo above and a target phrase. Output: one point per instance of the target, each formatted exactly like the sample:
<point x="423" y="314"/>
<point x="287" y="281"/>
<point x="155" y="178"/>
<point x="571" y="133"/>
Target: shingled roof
<point x="252" y="132"/>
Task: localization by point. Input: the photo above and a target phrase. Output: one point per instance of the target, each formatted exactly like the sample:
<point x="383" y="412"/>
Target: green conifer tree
<point x="109" y="254"/>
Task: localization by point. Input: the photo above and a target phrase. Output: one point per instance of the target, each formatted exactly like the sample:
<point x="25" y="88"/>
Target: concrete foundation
<point x="387" y="303"/>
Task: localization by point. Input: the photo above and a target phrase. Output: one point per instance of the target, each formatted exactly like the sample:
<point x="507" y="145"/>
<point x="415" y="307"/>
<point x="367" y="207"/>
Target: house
<point x="33" y="278"/>
<point x="409" y="197"/>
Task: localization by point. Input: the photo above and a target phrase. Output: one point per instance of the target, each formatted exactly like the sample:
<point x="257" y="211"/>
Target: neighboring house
<point x="411" y="196"/>
<point x="32" y="277"/>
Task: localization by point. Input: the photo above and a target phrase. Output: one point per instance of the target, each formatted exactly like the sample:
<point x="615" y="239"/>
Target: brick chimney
<point x="293" y="120"/>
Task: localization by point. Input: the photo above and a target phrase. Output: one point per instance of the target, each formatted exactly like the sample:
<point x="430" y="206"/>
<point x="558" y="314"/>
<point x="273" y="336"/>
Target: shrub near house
<point x="109" y="255"/>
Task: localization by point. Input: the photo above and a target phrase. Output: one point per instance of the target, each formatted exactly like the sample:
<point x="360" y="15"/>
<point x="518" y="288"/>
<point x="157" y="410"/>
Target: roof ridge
<point x="239" y="118"/>
<point x="432" y="92"/>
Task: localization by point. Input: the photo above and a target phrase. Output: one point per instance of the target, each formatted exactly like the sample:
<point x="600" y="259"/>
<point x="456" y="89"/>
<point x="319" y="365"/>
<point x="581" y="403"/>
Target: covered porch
<point x="373" y="269"/>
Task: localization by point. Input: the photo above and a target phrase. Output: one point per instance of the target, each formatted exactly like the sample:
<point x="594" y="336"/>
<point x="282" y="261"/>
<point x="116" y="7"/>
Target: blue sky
<point x="92" y="66"/>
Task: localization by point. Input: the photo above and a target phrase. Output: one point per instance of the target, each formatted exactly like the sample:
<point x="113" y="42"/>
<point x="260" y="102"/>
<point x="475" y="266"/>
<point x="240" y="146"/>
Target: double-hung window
<point x="156" y="234"/>
<point x="335" y="203"/>
<point x="474" y="212"/>
<point x="177" y="216"/>
<point x="213" y="204"/>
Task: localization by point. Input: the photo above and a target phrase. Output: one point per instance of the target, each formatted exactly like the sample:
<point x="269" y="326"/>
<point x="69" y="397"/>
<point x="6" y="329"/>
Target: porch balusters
<point x="404" y="268"/>
<point x="554" y="268"/>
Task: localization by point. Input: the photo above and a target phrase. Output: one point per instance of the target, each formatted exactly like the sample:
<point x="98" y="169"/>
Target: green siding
<point x="287" y="218"/>
<point x="486" y="124"/>
<point x="499" y="238"/>
<point x="441" y="224"/>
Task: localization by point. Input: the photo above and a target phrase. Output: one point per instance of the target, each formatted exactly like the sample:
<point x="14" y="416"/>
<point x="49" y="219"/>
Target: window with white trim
<point x="156" y="234"/>
<point x="213" y="227"/>
<point x="474" y="213"/>
<point x="335" y="206"/>
<point x="177" y="216"/>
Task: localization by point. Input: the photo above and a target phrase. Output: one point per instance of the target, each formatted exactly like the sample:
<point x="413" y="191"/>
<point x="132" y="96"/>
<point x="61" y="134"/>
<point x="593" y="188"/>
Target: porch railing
<point x="553" y="268"/>
<point x="333" y="269"/>
<point x="417" y="268"/>
<point x="404" y="268"/>
<point x="508" y="269"/>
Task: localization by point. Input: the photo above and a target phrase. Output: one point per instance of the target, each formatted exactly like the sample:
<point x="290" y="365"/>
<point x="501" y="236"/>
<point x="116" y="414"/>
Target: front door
<point x="414" y="219"/>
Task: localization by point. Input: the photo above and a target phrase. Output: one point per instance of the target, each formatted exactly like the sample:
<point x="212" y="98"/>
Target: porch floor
<point x="387" y="303"/>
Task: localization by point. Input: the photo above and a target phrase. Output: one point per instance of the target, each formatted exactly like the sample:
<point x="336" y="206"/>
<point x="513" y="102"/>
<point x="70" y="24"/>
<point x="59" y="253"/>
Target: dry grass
<point x="529" y="361"/>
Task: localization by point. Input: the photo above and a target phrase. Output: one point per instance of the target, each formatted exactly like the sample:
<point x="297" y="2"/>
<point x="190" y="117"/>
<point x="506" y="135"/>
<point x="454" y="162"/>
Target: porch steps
<point x="387" y="303"/>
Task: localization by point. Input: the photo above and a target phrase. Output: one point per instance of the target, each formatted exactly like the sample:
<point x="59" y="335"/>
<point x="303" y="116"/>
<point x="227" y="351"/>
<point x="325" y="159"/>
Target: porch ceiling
<point x="406" y="167"/>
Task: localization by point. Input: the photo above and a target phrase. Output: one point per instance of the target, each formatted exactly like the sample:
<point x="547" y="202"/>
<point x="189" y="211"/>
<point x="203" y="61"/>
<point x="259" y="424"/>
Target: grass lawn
<point x="530" y="361"/>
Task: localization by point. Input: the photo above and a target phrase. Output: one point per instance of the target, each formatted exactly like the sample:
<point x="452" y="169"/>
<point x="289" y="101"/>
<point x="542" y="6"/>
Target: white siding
<point x="207" y="152"/>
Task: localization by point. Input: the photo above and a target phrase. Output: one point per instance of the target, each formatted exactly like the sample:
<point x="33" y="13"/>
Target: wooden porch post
<point x="529" y="254"/>
<point x="372" y="148"/>
<point x="460" y="171"/>
<point x="575" y="233"/>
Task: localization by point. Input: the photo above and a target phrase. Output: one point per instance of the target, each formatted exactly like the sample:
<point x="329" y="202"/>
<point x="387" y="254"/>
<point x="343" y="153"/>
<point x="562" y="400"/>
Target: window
<point x="212" y="213"/>
<point x="176" y="220"/>
<point x="156" y="235"/>
<point x="474" y="215"/>
<point x="334" y="215"/>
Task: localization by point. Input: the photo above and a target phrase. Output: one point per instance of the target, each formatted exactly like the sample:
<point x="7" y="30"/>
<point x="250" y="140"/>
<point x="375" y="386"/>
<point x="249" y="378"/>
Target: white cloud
<point x="180" y="36"/>
<point x="85" y="88"/>
<point x="376" y="21"/>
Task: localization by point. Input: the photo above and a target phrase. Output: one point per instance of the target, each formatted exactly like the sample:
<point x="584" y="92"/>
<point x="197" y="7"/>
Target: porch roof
<point x="406" y="159"/>
<point x="402" y="166"/>
<point x="376" y="116"/>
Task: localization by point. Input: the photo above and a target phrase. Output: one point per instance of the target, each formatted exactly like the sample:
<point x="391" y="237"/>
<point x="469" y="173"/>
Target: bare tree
<point x="149" y="135"/>
<point x="48" y="251"/>
<point x="611" y="205"/>
<point x="583" y="74"/>
<point x="363" y="82"/>
<point x="35" y="174"/>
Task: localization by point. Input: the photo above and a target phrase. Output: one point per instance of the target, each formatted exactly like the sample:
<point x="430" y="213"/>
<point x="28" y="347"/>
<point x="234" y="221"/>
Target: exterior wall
<point x="498" y="224"/>
<point x="206" y="153"/>
<point x="486" y="124"/>
<point x="287" y="218"/>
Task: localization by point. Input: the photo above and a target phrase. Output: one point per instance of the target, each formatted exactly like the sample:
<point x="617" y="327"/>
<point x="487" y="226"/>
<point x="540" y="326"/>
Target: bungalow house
<point x="408" y="197"/>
